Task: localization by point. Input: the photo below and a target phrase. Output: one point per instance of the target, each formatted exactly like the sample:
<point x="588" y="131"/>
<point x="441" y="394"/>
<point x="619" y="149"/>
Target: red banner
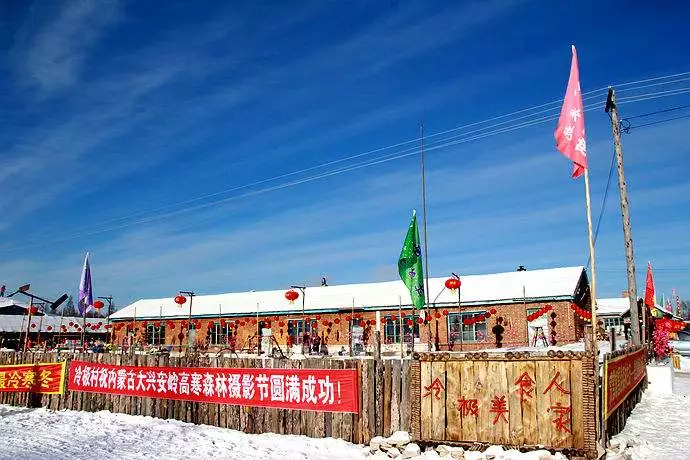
<point x="325" y="390"/>
<point x="621" y="376"/>
<point x="46" y="378"/>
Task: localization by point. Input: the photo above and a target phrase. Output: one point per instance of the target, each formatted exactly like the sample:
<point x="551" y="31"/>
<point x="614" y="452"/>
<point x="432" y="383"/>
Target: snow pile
<point x="42" y="434"/>
<point x="400" y="446"/>
<point x="656" y="428"/>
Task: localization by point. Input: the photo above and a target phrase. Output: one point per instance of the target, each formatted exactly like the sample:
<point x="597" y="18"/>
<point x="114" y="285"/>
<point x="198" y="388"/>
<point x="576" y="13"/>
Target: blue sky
<point x="116" y="114"/>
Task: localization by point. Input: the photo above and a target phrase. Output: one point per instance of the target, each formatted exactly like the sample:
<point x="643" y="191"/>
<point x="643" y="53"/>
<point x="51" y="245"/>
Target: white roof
<point x="614" y="306"/>
<point x="8" y="302"/>
<point x="17" y="323"/>
<point x="476" y="289"/>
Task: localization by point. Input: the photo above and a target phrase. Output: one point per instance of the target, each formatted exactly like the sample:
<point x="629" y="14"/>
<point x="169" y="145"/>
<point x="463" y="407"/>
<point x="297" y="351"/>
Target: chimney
<point x="521" y="268"/>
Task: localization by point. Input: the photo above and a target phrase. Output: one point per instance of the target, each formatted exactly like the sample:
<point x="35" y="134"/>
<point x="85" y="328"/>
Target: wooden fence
<point x="513" y="399"/>
<point x="384" y="396"/>
<point x="624" y="380"/>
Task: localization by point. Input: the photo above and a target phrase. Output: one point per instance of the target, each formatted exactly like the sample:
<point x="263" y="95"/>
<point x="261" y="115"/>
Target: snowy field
<point x="42" y="434"/>
<point x="658" y="428"/>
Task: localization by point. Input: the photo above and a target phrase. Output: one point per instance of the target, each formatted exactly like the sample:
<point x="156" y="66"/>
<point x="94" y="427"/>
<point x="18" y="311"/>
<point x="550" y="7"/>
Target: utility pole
<point x="612" y="110"/>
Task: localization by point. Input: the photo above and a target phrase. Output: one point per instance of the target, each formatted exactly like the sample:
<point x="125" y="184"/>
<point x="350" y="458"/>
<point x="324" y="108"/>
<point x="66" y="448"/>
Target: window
<point x="391" y="331"/>
<point x="457" y="329"/>
<point x="155" y="335"/>
<point x="612" y="322"/>
<point x="219" y="334"/>
<point x="296" y="329"/>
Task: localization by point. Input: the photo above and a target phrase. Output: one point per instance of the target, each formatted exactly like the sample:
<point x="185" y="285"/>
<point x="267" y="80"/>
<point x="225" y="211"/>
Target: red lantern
<point x="157" y="324"/>
<point x="268" y="324"/>
<point x="276" y="318"/>
<point x="253" y="321"/>
<point x="318" y="317"/>
<point x="348" y="318"/>
<point x="180" y="299"/>
<point x="410" y="323"/>
<point x="362" y="323"/>
<point x="445" y="312"/>
<point x="453" y="284"/>
<point x="281" y="323"/>
<point x="324" y="322"/>
<point x="357" y="315"/>
<point x="437" y="315"/>
<point x="108" y="326"/>
<point x="336" y="321"/>
<point x="33" y="310"/>
<point x="493" y="311"/>
<point x="428" y="318"/>
<point x="184" y="323"/>
<point x="71" y="324"/>
<point x="383" y="320"/>
<point x="98" y="304"/>
<point x="242" y="323"/>
<point x="420" y="320"/>
<point x="49" y="328"/>
<point x="314" y="324"/>
<point x="87" y="324"/>
<point x="291" y="296"/>
<point x="394" y="318"/>
<point x="487" y="315"/>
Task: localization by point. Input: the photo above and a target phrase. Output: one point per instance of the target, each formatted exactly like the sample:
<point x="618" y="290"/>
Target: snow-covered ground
<point x="658" y="428"/>
<point x="41" y="434"/>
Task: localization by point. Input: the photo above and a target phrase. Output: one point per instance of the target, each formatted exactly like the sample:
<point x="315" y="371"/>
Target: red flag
<point x="570" y="132"/>
<point x="649" y="293"/>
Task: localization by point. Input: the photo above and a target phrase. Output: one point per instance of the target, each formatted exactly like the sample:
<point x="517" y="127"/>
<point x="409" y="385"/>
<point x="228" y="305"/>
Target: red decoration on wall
<point x="420" y="320"/>
<point x="348" y="318"/>
<point x="336" y="321"/>
<point x="410" y="323"/>
<point x="362" y="323"/>
<point x="437" y="315"/>
<point x="445" y="312"/>
<point x="49" y="328"/>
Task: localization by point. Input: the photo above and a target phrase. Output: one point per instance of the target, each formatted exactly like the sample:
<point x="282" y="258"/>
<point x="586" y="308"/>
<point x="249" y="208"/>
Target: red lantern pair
<point x="541" y="312"/>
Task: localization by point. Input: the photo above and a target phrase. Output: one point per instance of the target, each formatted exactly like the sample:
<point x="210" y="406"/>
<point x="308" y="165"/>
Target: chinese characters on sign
<point x="46" y="378"/>
<point x="621" y="376"/>
<point x="327" y="390"/>
<point x="436" y="387"/>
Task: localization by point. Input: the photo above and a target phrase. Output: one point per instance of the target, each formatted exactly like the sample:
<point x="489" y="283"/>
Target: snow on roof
<point x="613" y="306"/>
<point x="17" y="323"/>
<point x="8" y="302"/>
<point x="552" y="283"/>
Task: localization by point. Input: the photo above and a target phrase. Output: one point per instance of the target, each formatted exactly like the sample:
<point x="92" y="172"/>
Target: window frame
<point x="466" y="330"/>
<point x="155" y="335"/>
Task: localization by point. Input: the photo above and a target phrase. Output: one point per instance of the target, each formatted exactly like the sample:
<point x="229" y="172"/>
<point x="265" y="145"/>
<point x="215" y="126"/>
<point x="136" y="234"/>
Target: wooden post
<point x="377" y="344"/>
<point x="612" y="338"/>
<point x="426" y="249"/>
<point x="612" y="109"/>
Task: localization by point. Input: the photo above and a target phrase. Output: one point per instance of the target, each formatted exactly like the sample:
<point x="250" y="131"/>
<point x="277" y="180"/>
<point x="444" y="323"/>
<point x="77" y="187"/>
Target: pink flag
<point x="570" y="132"/>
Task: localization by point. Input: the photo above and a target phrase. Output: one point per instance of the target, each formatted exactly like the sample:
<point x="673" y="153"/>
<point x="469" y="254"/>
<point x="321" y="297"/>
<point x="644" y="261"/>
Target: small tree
<point x="68" y="308"/>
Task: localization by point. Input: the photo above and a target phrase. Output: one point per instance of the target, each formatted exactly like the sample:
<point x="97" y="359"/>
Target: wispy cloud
<point x="54" y="56"/>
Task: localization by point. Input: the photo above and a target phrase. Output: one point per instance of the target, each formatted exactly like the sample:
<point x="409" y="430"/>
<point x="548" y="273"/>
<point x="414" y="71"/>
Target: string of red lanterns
<point x="479" y="318"/>
<point x="583" y="314"/>
<point x="539" y="313"/>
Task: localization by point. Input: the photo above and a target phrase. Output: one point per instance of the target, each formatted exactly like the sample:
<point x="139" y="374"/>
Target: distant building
<point x="347" y="316"/>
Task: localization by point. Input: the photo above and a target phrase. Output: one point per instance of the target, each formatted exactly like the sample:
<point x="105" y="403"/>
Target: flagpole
<point x="402" y="341"/>
<point x="426" y="249"/>
<point x="593" y="296"/>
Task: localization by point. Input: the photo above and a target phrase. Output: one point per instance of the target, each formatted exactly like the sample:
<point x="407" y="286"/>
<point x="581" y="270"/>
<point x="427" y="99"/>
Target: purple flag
<point x="85" y="289"/>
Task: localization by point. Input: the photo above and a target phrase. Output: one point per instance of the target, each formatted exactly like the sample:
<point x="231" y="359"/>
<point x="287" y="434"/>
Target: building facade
<point x="514" y="309"/>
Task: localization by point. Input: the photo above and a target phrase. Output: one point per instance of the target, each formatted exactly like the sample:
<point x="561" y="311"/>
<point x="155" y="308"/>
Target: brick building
<point x="345" y="316"/>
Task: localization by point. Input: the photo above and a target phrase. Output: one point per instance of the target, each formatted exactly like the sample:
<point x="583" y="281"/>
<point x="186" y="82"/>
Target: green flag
<point x="410" y="264"/>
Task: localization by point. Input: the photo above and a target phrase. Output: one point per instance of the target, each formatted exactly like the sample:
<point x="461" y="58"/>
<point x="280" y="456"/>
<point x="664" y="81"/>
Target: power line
<point x="590" y="94"/>
<point x="648" y="114"/>
<point x="603" y="203"/>
<point x="648" y="96"/>
<point x="436" y="145"/>
<point x="667" y="120"/>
